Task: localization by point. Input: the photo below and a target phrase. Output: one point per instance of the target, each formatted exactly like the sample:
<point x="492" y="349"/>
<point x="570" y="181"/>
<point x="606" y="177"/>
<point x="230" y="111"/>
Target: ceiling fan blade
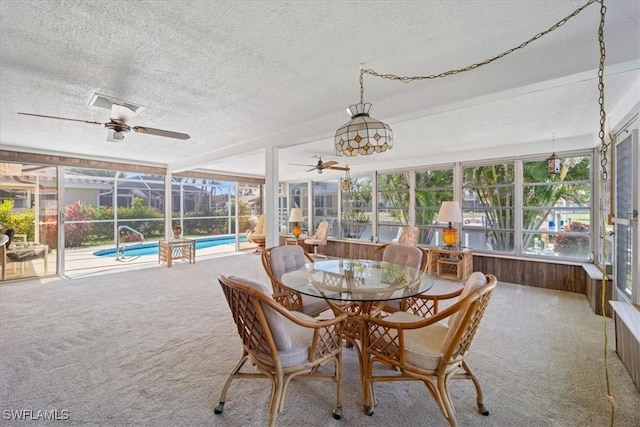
<point x="160" y="132"/>
<point x="338" y="168"/>
<point x="312" y="169"/>
<point x="329" y="163"/>
<point x="300" y="164"/>
<point x="62" y="118"/>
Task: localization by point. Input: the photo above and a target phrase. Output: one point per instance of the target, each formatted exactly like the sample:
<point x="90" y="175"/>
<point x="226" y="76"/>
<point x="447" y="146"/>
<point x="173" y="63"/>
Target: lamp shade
<point x="295" y="215"/>
<point x="450" y="212"/>
<point x="362" y="135"/>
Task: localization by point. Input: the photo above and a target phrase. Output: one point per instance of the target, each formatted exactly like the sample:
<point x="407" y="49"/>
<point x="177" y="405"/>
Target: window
<point x="356" y="208"/>
<point x="393" y="204"/>
<point x="299" y="198"/>
<point x="556" y="209"/>
<point x="432" y="188"/>
<point x="325" y="204"/>
<point x="488" y="206"/>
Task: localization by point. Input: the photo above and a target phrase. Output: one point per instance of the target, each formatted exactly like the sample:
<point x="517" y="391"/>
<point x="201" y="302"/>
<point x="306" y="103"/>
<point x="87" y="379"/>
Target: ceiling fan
<point x="118" y="126"/>
<point x="320" y="166"/>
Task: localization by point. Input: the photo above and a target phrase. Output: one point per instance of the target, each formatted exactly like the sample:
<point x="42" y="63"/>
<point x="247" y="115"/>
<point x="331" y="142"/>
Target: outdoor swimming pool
<point x="133" y="249"/>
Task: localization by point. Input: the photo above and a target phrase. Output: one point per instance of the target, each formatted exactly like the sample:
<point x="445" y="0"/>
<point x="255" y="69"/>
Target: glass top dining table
<point x="357" y="287"/>
<point x="349" y="280"/>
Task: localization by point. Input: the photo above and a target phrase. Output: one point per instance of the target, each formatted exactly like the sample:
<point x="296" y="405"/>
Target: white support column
<point x="271" y="196"/>
<point x="168" y="205"/>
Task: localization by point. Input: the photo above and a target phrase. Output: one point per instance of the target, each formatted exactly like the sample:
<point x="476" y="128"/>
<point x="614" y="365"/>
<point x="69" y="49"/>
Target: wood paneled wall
<point x="562" y="277"/>
<point x="540" y="274"/>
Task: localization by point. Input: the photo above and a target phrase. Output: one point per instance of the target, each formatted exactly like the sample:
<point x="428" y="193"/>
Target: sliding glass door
<point x="28" y="219"/>
<point x="626" y="217"/>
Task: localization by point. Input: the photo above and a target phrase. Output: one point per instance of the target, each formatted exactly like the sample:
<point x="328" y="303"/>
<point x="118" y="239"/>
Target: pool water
<point x="133" y="249"/>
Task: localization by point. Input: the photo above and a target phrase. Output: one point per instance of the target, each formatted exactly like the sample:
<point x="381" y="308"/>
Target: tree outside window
<point x="356" y="208"/>
<point x="393" y="204"/>
<point x="556" y="213"/>
<point x="432" y="188"/>
<point x="488" y="206"/>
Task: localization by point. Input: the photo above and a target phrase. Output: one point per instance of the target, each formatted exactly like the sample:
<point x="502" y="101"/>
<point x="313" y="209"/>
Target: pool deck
<point x="81" y="262"/>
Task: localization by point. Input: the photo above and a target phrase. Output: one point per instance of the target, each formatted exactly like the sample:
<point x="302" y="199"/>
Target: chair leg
<point x="443" y="390"/>
<point x="479" y="398"/>
<point x="437" y="396"/>
<point x="223" y="395"/>
<point x="277" y="398"/>
<point x="337" y="412"/>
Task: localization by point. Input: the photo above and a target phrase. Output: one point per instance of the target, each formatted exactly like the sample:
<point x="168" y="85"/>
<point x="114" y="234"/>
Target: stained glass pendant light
<point x="362" y="135"/>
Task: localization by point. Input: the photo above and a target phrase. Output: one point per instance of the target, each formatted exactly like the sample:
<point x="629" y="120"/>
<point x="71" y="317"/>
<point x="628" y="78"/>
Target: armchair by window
<point x="320" y="238"/>
<point x="257" y="235"/>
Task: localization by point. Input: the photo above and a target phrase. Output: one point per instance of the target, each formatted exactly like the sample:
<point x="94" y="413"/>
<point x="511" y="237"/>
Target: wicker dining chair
<point x="410" y="256"/>
<point x="278" y="260"/>
<point x="282" y="345"/>
<point x="425" y="349"/>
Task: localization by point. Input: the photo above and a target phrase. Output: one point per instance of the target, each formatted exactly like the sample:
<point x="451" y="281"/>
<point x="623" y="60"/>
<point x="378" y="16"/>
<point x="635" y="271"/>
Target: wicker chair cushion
<point x="285" y="258"/>
<point x="423" y="346"/>
<point x="405" y="255"/>
<point x="276" y="322"/>
<point x="300" y="339"/>
<point x="311" y="305"/>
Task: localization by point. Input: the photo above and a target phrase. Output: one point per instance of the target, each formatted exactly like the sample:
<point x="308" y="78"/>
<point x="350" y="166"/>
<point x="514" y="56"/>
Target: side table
<point x="451" y="263"/>
<point x="292" y="240"/>
<point x="184" y="249"/>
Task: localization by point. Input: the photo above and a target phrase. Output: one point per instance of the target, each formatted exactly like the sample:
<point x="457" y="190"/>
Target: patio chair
<point x="278" y="260"/>
<point x="281" y="344"/>
<point x="21" y="254"/>
<point x="257" y="235"/>
<point x="320" y="238"/>
<point x="425" y="349"/>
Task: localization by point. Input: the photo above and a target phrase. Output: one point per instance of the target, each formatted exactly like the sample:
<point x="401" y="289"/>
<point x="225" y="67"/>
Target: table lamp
<point x="296" y="217"/>
<point x="450" y="212"/>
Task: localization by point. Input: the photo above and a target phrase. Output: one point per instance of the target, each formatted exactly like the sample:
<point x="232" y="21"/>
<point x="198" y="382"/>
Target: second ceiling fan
<point x="320" y="165"/>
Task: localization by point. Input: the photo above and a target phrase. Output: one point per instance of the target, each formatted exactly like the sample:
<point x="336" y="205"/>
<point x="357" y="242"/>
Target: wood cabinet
<point x="454" y="264"/>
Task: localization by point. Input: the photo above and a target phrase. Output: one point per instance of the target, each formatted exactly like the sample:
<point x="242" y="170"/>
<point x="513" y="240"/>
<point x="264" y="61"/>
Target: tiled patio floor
<point x="81" y="261"/>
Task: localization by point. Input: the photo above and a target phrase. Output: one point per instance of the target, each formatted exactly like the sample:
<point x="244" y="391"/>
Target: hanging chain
<point x="408" y="79"/>
<point x="604" y="145"/>
<point x="604" y="176"/>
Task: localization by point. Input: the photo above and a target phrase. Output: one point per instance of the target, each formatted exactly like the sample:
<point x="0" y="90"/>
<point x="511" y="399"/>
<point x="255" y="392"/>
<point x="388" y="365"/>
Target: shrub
<point x="574" y="246"/>
<point x="75" y="234"/>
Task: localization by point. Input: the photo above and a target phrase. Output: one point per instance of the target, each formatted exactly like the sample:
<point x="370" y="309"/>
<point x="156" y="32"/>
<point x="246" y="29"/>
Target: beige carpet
<point x="153" y="347"/>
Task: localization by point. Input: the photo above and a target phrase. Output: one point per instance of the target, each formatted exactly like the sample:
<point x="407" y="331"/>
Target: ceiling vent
<point x="104" y="101"/>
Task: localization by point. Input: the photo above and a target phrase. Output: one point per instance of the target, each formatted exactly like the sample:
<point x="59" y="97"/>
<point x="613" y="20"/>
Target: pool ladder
<point x="124" y="248"/>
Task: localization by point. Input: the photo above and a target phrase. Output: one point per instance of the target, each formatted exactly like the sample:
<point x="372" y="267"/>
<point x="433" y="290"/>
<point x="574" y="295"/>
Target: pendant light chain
<point x="408" y="79"/>
<point x="604" y="176"/>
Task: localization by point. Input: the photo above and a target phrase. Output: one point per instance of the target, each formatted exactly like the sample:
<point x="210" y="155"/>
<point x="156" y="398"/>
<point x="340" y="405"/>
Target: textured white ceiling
<point x="241" y="76"/>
